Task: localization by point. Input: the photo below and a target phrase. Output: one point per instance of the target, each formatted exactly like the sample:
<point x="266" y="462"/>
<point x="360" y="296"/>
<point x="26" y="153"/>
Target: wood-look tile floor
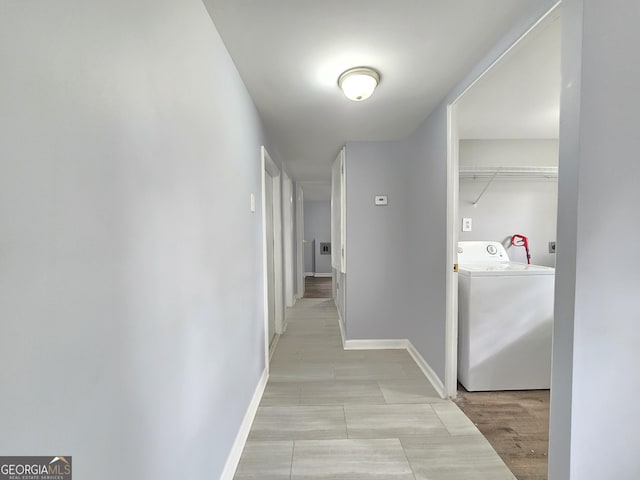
<point x="317" y="287"/>
<point x="328" y="413"/>
<point x="516" y="423"/>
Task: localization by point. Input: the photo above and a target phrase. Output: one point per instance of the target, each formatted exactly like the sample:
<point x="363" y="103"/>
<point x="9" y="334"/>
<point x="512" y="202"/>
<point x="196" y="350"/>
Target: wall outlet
<point x="552" y="247"/>
<point x="467" y="224"/>
<point x="381" y="200"/>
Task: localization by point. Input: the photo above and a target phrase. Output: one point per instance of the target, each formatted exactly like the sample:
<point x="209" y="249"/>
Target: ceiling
<point x="520" y="97"/>
<point x="290" y="53"/>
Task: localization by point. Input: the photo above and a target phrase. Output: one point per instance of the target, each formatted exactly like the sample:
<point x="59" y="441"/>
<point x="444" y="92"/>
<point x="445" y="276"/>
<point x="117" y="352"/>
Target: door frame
<point x="270" y="167"/>
<point x="287" y="228"/>
<point x="451" y="327"/>
<point x="453" y="162"/>
<point x="299" y="240"/>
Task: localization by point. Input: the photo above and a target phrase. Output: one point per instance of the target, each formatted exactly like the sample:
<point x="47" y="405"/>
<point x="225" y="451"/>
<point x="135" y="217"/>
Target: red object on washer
<point x="521" y="241"/>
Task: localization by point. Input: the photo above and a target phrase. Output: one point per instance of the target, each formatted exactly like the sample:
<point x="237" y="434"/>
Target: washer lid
<point x="501" y="269"/>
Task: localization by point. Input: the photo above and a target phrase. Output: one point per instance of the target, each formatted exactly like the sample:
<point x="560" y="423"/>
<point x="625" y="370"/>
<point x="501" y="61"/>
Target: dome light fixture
<point x="359" y="83"/>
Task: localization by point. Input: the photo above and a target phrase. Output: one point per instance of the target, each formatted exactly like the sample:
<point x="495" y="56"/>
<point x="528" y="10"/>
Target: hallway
<point x="330" y="413"/>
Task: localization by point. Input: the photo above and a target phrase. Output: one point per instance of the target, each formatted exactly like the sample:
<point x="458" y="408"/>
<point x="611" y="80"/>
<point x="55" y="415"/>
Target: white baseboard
<point x="309" y="274"/>
<point x="322" y="275"/>
<point x="341" y="324"/>
<point x="375" y="344"/>
<point x="401" y="344"/>
<point x="274" y="344"/>
<point x="427" y="370"/>
<point x="241" y="438"/>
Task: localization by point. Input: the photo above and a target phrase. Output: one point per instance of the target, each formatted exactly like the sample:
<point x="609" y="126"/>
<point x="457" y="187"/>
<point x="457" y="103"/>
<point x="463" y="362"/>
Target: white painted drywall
<point x="509" y="153"/>
<point x="426" y="246"/>
<point x="317" y="228"/>
<point x="594" y="432"/>
<point x="510" y="206"/>
<point x="376" y="281"/>
<point x="309" y="257"/>
<point x="131" y="307"/>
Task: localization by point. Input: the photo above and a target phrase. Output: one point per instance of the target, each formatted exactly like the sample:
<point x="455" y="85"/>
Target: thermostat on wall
<point x="381" y="200"/>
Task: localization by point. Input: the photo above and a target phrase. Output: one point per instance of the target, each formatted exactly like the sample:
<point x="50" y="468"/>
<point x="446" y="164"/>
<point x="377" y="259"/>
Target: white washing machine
<point x="505" y="320"/>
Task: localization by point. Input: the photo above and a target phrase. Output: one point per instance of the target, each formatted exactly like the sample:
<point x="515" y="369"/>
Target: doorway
<point x="269" y="241"/>
<point x="288" y="239"/>
<point x="299" y="241"/>
<point x="317" y="247"/>
<point x="502" y="180"/>
<point x="508" y="116"/>
<point x="272" y="251"/>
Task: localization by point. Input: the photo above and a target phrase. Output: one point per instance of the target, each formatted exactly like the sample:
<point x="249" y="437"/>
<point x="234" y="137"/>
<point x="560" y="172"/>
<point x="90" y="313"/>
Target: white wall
<point x="309" y="257"/>
<point x="376" y="241"/>
<point x="509" y="206"/>
<point x="317" y="226"/>
<point x="509" y="153"/>
<point x="594" y="432"/>
<point x="130" y="267"/>
<point x="427" y="216"/>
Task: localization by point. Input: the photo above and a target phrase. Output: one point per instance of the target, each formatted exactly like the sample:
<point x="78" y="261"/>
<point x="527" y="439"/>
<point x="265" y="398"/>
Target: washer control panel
<point x="481" y="252"/>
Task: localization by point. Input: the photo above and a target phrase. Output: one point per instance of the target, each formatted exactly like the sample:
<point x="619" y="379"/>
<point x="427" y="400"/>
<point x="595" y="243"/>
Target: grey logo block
<point x="36" y="468"/>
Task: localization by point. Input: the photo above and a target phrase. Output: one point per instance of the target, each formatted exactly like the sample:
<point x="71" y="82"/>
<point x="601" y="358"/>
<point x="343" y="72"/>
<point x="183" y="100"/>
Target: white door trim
<point x="451" y="329"/>
<point x="287" y="228"/>
<point x="300" y="273"/>
<point x="277" y="253"/>
<point x="265" y="269"/>
<point x="269" y="167"/>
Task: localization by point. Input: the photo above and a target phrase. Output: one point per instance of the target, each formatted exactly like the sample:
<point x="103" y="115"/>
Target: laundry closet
<point x="508" y="125"/>
<point x="509" y="187"/>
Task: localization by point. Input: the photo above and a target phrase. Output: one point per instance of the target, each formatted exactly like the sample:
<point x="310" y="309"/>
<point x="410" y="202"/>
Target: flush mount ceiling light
<point x="359" y="83"/>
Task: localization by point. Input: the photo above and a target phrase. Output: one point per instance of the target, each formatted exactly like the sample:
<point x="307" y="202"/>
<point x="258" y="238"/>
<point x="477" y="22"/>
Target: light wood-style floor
<point x="328" y="413"/>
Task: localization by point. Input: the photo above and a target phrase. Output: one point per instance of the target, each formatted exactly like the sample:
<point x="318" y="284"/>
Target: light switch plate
<point x="252" y="203"/>
<point x="467" y="224"/>
<point x="381" y="200"/>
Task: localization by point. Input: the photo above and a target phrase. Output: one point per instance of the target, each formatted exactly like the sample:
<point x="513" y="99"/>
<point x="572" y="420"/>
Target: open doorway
<point x="288" y="239"/>
<point x="272" y="251"/>
<point x="503" y="153"/>
<point x="299" y="241"/>
<point x="317" y="239"/>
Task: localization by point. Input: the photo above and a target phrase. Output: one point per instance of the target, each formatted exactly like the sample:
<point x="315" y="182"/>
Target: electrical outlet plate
<point x="467" y="224"/>
<point x="552" y="247"/>
<point x="381" y="200"/>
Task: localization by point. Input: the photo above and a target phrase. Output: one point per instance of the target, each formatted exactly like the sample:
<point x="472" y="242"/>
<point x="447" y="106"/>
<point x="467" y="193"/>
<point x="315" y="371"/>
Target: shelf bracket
<point x="475" y="204"/>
